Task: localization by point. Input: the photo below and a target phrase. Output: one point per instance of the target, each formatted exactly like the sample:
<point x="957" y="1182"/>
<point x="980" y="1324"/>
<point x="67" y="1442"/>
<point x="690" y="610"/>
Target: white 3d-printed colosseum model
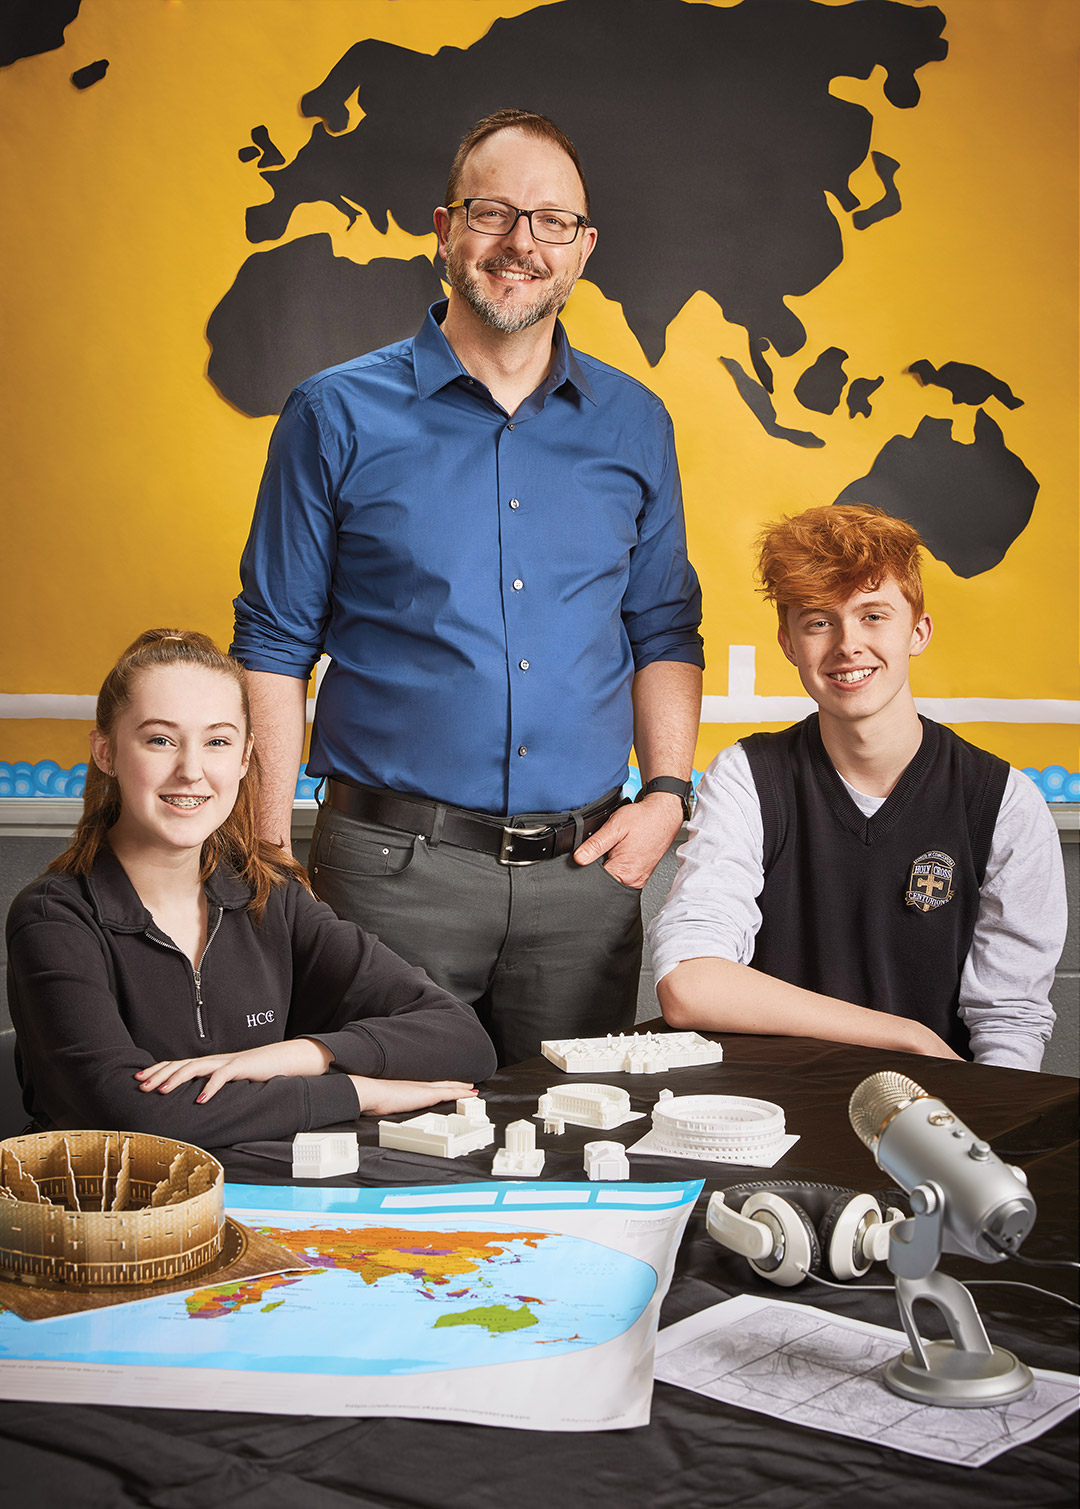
<point x="631" y="1052"/>
<point x="96" y="1209"/>
<point x="717" y="1129"/>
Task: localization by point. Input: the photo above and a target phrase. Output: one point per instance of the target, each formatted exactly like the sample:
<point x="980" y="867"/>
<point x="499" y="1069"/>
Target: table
<point x="695" y="1453"/>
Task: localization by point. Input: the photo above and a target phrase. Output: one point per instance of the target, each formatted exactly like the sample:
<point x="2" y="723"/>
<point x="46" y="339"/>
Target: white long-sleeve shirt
<point x="712" y="911"/>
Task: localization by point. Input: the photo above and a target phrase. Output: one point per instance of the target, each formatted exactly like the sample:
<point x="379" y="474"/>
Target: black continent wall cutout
<point x="29" y="27"/>
<point x="889" y="203"/>
<point x="858" y="395"/>
<point x="649" y="90"/>
<point x="761" y="406"/>
<point x="93" y="73"/>
<point x="820" y="386"/>
<point x="967" y="384"/>
<point x="969" y="502"/>
<point x="325" y="310"/>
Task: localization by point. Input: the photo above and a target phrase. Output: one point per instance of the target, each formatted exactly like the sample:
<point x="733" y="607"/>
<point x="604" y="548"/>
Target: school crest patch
<point x="930" y="884"/>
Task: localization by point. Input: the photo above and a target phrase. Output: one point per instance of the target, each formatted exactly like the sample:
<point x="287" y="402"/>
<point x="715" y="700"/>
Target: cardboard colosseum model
<point x="90" y="1209"/>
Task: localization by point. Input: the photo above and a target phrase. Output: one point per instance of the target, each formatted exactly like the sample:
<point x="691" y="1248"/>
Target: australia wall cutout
<point x="969" y="502"/>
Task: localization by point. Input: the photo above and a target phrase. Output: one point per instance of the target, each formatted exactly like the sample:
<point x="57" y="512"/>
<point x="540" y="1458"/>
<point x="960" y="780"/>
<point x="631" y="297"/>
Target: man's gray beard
<point x="508" y="319"/>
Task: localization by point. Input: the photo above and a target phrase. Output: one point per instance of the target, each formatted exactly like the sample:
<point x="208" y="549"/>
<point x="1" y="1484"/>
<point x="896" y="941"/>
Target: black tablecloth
<point x="695" y="1453"/>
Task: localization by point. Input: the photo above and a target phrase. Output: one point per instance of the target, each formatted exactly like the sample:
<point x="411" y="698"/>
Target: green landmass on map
<point x="493" y="1318"/>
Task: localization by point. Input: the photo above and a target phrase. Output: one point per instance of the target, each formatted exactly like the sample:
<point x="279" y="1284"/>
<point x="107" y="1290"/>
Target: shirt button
<point x="524" y="664"/>
<point x="523" y="749"/>
<point x="509" y="426"/>
<point x="514" y="503"/>
<point x="518" y="584"/>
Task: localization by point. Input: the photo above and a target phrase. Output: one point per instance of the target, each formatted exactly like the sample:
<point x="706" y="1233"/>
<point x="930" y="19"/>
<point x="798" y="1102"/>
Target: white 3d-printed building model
<point x="603" y="1106"/>
<point x="520" y="1156"/>
<point x="717" y="1129"/>
<point x="96" y="1209"/>
<point x="442" y="1136"/>
<point x="632" y="1052"/>
<point x="606" y="1160"/>
<point x="321" y="1155"/>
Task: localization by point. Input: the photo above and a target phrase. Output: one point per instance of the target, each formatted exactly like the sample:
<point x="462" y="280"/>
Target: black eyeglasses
<point x="494" y="218"/>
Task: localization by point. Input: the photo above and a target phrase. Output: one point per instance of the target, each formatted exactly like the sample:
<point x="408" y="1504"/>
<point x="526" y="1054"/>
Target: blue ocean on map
<point x="384" y="1297"/>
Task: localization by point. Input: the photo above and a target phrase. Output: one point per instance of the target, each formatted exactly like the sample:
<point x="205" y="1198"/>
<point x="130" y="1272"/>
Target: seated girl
<point x="172" y="973"/>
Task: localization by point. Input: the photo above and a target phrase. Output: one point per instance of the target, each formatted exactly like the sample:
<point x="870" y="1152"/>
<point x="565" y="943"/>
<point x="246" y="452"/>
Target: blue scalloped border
<point x="47" y="779"/>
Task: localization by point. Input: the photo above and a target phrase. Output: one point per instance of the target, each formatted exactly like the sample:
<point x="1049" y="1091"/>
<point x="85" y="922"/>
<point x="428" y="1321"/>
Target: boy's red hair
<point x="817" y="559"/>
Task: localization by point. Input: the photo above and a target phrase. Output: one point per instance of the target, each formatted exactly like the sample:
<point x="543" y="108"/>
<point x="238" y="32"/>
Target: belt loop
<point x="579" y="828"/>
<point x="435" y="836"/>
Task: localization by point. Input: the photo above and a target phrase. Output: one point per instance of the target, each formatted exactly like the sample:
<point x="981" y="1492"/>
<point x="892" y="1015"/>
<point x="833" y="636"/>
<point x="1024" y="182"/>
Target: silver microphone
<point x="984" y="1204"/>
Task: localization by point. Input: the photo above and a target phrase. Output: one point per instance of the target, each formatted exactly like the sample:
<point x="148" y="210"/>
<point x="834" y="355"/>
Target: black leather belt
<point x="525" y="842"/>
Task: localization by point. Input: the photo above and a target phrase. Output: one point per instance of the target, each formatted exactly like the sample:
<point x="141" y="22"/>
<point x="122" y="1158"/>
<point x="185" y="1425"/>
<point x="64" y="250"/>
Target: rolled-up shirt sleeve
<point x="661" y="609"/>
<point x="287" y="567"/>
<point x="712" y="911"/>
<point x="1019" y="934"/>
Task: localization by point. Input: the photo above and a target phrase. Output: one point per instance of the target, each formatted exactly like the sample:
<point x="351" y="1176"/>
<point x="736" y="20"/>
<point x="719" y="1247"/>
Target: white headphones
<point x="787" y="1231"/>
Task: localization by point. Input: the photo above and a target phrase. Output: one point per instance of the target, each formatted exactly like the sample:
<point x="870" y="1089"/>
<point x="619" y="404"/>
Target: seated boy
<point x="865" y="876"/>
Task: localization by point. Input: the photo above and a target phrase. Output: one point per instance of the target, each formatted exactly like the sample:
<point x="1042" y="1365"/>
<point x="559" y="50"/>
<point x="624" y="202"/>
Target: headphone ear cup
<point x="841" y="1230"/>
<point x="798" y="1251"/>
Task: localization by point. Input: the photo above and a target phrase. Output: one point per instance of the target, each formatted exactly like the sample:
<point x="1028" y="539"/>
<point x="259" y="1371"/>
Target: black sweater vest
<point x="879" y="910"/>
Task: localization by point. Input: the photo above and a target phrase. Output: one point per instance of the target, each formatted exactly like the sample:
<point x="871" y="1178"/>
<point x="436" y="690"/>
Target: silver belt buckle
<point x="508" y="836"/>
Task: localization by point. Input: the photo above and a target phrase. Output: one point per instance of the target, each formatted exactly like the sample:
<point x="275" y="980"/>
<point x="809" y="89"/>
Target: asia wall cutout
<point x="816" y="243"/>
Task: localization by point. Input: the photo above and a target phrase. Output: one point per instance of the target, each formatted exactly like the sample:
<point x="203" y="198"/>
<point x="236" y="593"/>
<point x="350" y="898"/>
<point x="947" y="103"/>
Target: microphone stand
<point x="966" y="1371"/>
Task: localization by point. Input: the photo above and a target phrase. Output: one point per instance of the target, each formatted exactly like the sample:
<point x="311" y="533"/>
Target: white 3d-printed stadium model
<point x="632" y="1052"/>
<point x="520" y="1156"/>
<point x="606" y="1160"/>
<point x="442" y="1136"/>
<point x="603" y="1106"/>
<point x="717" y="1129"/>
<point x="96" y="1209"/>
<point x="321" y="1155"/>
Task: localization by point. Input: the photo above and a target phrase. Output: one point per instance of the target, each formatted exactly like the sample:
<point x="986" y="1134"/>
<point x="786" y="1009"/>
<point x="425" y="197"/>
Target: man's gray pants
<point x="548" y="950"/>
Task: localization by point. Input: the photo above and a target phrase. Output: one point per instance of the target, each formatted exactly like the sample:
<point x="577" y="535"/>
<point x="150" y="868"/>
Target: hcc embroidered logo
<point x="930" y="884"/>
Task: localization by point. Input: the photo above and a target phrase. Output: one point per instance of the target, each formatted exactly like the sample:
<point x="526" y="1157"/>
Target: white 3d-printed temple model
<point x="96" y="1209"/>
<point x="717" y="1129"/>
<point x="520" y="1156"/>
<point x="603" y="1106"/>
<point x="606" y="1160"/>
<point x="321" y="1155"/>
<point x="631" y="1052"/>
<point x="441" y="1136"/>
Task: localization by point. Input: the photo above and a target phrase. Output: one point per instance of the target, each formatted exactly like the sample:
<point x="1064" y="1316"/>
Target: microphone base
<point x="957" y="1378"/>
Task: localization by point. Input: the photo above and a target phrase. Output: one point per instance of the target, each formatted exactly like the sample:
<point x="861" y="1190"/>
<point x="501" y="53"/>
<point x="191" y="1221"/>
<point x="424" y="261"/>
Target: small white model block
<point x="473" y="1109"/>
<point x="603" y="1106"/>
<point x="606" y="1160"/>
<point x="717" y="1129"/>
<point x="441" y="1136"/>
<point x="631" y="1052"/>
<point x="321" y="1155"/>
<point x="520" y="1156"/>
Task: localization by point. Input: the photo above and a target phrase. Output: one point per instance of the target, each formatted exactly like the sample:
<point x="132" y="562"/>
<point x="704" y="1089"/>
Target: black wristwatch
<point x="681" y="789"/>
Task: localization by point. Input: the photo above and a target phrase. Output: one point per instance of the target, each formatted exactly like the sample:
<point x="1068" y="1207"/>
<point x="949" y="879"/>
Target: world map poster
<point x="500" y="1304"/>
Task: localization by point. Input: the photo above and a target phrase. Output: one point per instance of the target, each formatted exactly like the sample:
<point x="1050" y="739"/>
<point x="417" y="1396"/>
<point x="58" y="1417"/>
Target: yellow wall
<point x="130" y="481"/>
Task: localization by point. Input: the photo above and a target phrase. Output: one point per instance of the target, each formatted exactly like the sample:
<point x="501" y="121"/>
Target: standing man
<point x="483" y="530"/>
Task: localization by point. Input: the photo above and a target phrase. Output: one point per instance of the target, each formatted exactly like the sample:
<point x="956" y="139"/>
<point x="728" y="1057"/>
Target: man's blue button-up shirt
<point x="485" y="585"/>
